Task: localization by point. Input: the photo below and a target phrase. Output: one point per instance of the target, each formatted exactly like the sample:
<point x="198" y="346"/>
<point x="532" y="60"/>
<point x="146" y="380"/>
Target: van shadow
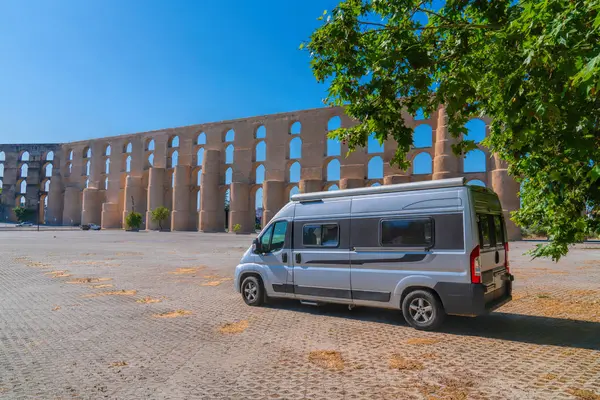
<point x="497" y="325"/>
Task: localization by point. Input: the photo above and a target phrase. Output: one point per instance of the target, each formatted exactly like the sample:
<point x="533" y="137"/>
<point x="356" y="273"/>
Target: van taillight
<point x="475" y="266"/>
<point x="506" y="263"/>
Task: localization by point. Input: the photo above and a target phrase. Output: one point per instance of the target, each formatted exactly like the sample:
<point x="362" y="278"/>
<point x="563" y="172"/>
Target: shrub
<point x="160" y="214"/>
<point x="23" y="214"/>
<point x="133" y="220"/>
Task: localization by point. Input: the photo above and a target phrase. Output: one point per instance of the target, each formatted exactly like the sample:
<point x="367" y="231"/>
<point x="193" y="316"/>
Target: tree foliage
<point x="133" y="220"/>
<point x="160" y="214"/>
<point x="533" y="66"/>
<point x="23" y="214"/>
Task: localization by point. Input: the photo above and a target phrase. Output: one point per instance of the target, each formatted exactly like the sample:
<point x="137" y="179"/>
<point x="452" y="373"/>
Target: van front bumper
<point x="471" y="298"/>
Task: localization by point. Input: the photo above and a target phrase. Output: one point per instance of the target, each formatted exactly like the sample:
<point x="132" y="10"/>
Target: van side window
<point x="407" y="232"/>
<point x="499" y="230"/>
<point x="274" y="237"/>
<point x="326" y="235"/>
<point x="485" y="231"/>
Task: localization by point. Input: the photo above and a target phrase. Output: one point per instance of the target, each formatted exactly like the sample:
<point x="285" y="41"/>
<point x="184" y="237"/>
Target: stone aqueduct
<point x="94" y="181"/>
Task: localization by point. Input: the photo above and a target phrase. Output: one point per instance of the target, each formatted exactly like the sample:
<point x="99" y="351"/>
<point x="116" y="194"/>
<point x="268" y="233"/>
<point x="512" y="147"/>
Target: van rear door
<point x="492" y="253"/>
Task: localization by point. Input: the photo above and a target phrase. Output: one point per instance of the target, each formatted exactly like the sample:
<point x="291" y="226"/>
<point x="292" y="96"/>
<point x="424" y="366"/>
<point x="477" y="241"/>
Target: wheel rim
<point x="421" y="310"/>
<point x="250" y="291"/>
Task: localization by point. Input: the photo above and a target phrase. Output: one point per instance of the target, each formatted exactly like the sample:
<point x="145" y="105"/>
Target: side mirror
<point x="257" y="247"/>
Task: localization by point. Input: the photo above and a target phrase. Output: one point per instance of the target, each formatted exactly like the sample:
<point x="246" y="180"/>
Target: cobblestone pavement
<point x="118" y="315"/>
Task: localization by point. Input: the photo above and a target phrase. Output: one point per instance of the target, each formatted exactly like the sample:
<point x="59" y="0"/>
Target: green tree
<point x="133" y="220"/>
<point x="533" y="66"/>
<point x="23" y="214"/>
<point x="160" y="214"/>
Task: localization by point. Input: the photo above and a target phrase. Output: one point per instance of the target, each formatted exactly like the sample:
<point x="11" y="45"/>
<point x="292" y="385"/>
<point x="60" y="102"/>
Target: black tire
<point x="253" y="291"/>
<point x="422" y="310"/>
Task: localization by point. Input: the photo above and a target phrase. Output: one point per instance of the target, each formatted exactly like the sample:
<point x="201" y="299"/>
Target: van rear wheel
<point x="422" y="310"/>
<point x="253" y="291"/>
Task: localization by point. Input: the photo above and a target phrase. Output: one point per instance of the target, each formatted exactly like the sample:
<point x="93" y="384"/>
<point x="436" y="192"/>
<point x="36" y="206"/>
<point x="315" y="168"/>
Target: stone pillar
<point x="133" y="188"/>
<point x="55" y="199"/>
<point x="350" y="183"/>
<point x="72" y="208"/>
<point x="239" y="207"/>
<point x="393" y="179"/>
<point x="212" y="214"/>
<point x="310" y="185"/>
<point x="181" y="216"/>
<point x="445" y="163"/>
<point x="506" y="188"/>
<point x="110" y="216"/>
<point x="273" y="199"/>
<point x="91" y="212"/>
<point x="155" y="194"/>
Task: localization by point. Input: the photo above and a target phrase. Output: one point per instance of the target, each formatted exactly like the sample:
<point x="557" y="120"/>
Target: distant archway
<point x="295" y="148"/>
<point x="423" y="136"/>
<point x="476" y="182"/>
<point x="260" y="175"/>
<point x="295" y="128"/>
<point x="24" y="156"/>
<point x="174" y="142"/>
<point x="474" y="161"/>
<point x="333" y="187"/>
<point x="375" y="168"/>
<point x="50" y="156"/>
<point x="422" y="164"/>
<point x="294" y="191"/>
<point x="261" y="132"/>
<point x="333" y="170"/>
<point x="200" y="156"/>
<point x="260" y="151"/>
<point x="24" y="171"/>
<point x="229" y="154"/>
<point x="475" y="130"/>
<point x="174" y="159"/>
<point x="230" y="136"/>
<point x="334" y="123"/>
<point x="2" y="156"/>
<point x="228" y="176"/>
<point x="373" y="145"/>
<point x="201" y="139"/>
<point x="294" y="172"/>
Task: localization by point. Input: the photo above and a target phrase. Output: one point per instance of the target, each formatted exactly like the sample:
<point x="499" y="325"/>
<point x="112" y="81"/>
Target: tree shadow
<point x="497" y="325"/>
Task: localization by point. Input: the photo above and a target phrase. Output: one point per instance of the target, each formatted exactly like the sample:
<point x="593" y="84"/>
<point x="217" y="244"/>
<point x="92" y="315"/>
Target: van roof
<point x="401" y="187"/>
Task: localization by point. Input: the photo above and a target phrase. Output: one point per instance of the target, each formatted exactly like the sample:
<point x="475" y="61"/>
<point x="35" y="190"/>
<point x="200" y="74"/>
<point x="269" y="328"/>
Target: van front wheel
<point x="252" y="291"/>
<point x="422" y="310"/>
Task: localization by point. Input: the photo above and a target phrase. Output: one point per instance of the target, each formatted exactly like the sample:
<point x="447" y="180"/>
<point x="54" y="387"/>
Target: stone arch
<point x="229" y="136"/>
<point x="200" y="156"/>
<point x="87" y="152"/>
<point x="334" y="148"/>
<point x="70" y="167"/>
<point x="295" y="128"/>
<point x="375" y="184"/>
<point x="333" y="170"/>
<point x="1" y="183"/>
<point x="20" y="201"/>
<point x="107" y="166"/>
<point x="333" y="186"/>
<point x="49" y="156"/>
<point x="260" y="132"/>
<point x="106" y="183"/>
<point x="2" y="156"/>
<point x="475" y="130"/>
<point x="294" y="172"/>
<point x="375" y="168"/>
<point x="23" y="186"/>
<point x="24" y="171"/>
<point x="260" y="151"/>
<point x="229" y="152"/>
<point x="24" y="156"/>
<point x="334" y="123"/>
<point x="70" y="156"/>
<point x="174" y="159"/>
<point x="151" y="160"/>
<point x="1" y="170"/>
<point x="173" y="142"/>
<point x="422" y="164"/>
<point x="373" y="145"/>
<point x="128" y="148"/>
<point x="201" y="139"/>
<point x="128" y="164"/>
<point x="46" y="185"/>
<point x="150" y="145"/>
<point x="295" y="148"/>
<point x="259" y="174"/>
<point x="474" y="161"/>
<point x="88" y="167"/>
<point x="228" y="176"/>
<point x="48" y="170"/>
<point x="258" y="207"/>
<point x="476" y="182"/>
<point x="107" y="150"/>
<point x="423" y="136"/>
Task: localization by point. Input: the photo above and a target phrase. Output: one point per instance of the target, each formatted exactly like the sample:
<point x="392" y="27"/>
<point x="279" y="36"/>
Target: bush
<point x="160" y="214"/>
<point x="23" y="214"/>
<point x="237" y="228"/>
<point x="133" y="220"/>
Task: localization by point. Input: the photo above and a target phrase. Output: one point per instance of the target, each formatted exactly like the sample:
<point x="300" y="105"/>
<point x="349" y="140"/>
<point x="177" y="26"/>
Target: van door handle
<point x="284" y="257"/>
<point x="497" y="257"/>
<point x="298" y="258"/>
